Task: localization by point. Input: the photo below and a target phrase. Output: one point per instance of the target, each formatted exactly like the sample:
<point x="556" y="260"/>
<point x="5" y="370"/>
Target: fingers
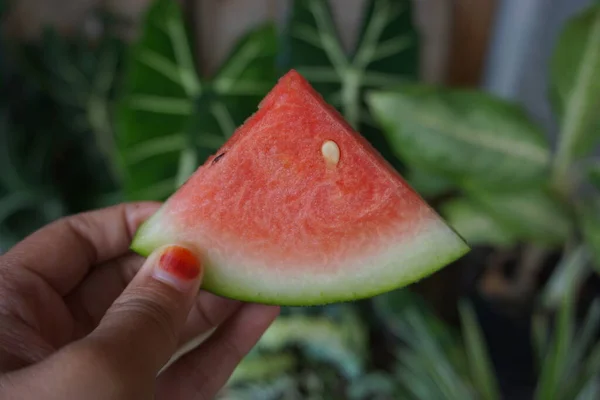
<point x="77" y="242"/>
<point x="140" y="331"/>
<point x="208" y="312"/>
<point x="90" y="300"/>
<point x="202" y="372"/>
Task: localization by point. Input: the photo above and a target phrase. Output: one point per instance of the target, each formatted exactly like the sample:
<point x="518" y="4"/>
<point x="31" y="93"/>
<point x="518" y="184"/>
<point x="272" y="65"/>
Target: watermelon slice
<point x="298" y="209"/>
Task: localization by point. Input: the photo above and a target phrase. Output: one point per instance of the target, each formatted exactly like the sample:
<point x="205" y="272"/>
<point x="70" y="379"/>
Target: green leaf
<point x="589" y="218"/>
<point x="552" y="374"/>
<point x="463" y="135"/>
<point x="476" y="225"/>
<point x="171" y="120"/>
<point x="592" y="365"/>
<point x="431" y="365"/>
<point x="480" y="365"/>
<point x="570" y="362"/>
<point x="386" y="54"/>
<point x="236" y="90"/>
<point x="540" y="336"/>
<point x="341" y="343"/>
<point x="391" y="308"/>
<point x="575" y="87"/>
<point x="161" y="86"/>
<point x="416" y="380"/>
<point x="429" y="350"/>
<point x="530" y="214"/>
<point x="262" y="367"/>
<point x="586" y="337"/>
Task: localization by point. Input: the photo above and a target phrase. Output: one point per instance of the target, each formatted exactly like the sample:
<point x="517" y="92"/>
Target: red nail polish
<point x="178" y="267"/>
<point x="180" y="263"/>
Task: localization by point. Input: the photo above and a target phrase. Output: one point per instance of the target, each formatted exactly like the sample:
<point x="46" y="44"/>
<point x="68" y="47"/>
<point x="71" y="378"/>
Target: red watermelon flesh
<point x="277" y="221"/>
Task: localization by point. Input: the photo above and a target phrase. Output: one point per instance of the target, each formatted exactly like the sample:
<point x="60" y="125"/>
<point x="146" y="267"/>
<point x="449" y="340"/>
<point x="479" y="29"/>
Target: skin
<point x="83" y="317"/>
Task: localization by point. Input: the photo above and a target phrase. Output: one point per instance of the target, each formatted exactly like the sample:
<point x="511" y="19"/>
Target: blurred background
<point x="489" y="108"/>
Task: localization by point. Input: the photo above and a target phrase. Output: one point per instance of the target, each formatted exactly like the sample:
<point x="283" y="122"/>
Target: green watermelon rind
<point x="146" y="241"/>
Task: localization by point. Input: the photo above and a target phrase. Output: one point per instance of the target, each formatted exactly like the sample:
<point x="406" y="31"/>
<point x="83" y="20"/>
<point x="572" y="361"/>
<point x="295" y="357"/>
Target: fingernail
<point x="178" y="267"/>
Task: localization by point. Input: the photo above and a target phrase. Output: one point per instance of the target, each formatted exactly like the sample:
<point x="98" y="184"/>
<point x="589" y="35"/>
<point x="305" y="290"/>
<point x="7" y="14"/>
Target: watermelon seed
<point x="217" y="158"/>
<point x="331" y="152"/>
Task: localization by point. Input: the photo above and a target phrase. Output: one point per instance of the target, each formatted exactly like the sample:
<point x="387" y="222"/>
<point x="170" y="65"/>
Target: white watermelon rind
<point x="399" y="265"/>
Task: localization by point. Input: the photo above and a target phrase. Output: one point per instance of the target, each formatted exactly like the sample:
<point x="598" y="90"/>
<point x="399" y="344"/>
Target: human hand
<point x="78" y="321"/>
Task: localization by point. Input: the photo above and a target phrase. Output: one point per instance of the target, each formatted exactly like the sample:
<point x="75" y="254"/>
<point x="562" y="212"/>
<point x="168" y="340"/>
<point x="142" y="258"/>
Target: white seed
<point x="331" y="152"/>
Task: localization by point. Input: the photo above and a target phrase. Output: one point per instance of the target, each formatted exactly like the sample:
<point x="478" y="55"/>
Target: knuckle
<point x="81" y="227"/>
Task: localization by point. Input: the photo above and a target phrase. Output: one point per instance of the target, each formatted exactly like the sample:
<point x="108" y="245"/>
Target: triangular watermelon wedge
<point x="298" y="209"/>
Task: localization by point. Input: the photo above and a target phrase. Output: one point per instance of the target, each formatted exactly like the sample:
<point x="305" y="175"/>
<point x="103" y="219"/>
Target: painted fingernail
<point x="178" y="267"/>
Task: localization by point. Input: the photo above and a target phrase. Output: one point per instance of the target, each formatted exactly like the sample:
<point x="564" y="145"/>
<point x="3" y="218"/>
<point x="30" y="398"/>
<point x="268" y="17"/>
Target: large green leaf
<point x="386" y="53"/>
<point x="170" y="119"/>
<point x="529" y="214"/>
<point x="476" y="225"/>
<point x="161" y="86"/>
<point x="575" y="85"/>
<point x="464" y="135"/>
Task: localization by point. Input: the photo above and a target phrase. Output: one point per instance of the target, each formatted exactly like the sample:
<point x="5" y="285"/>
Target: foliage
<point x="568" y="360"/>
<point x="171" y="119"/>
<point x="575" y="84"/>
<point x="386" y="54"/>
<point x="57" y="161"/>
<point x="468" y="137"/>
<point x="115" y="121"/>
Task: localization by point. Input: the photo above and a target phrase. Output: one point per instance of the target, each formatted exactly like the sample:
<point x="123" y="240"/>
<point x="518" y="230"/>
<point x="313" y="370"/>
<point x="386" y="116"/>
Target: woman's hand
<point x="78" y="321"/>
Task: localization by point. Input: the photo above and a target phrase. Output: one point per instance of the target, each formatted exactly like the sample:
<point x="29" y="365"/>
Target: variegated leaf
<point x="385" y="54"/>
<point x="171" y="120"/>
<point x="465" y="136"/>
<point x="476" y="225"/>
<point x="161" y="86"/>
<point x="575" y="88"/>
<point x="532" y="215"/>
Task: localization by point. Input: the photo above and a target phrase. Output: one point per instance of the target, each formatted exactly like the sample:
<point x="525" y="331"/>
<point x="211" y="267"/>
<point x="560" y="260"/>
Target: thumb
<point x="139" y="332"/>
